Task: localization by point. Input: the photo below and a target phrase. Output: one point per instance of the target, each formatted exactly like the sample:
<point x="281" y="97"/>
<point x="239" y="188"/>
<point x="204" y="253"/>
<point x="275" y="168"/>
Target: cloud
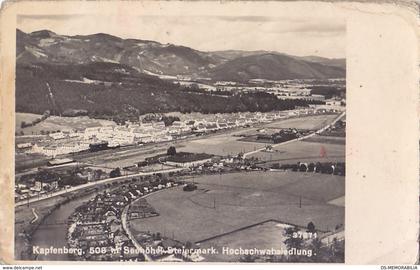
<point x="245" y="18"/>
<point x="23" y="18"/>
<point x="319" y="28"/>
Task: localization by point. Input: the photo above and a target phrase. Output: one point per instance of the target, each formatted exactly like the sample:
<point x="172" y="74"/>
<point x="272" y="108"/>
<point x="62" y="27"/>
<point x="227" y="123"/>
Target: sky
<point x="299" y="36"/>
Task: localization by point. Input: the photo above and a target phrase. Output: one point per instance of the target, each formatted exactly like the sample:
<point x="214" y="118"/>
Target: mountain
<point x="273" y="67"/>
<point x="120" y="92"/>
<point x="48" y="47"/>
<point x="167" y="59"/>
<point x="335" y="62"/>
<point x="114" y="78"/>
<point x="232" y="54"/>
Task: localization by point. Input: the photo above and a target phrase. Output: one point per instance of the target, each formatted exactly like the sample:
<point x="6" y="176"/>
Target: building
<point x="23" y="146"/>
<point x="60" y="161"/>
<point x="98" y="146"/>
<point x="188" y="160"/>
<point x="333" y="102"/>
<point x="159" y="125"/>
<point x="92" y="132"/>
<point x="57" y="135"/>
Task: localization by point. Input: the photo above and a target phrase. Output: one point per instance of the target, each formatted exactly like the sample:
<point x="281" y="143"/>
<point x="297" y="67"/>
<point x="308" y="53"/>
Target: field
<point x="223" y="144"/>
<point x="339" y="201"/>
<point x="314" y="122"/>
<point x="305" y="152"/>
<point x="264" y="236"/>
<point x="25" y="117"/>
<point x="54" y="123"/>
<point x="230" y="143"/>
<point x="326" y="139"/>
<point x="225" y="203"/>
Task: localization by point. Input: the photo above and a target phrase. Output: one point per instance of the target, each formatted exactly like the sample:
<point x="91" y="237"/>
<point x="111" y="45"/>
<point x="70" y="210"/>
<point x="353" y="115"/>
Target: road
<point x="126" y="225"/>
<point x="35" y="216"/>
<point x="301" y="138"/>
<point x="91" y="184"/>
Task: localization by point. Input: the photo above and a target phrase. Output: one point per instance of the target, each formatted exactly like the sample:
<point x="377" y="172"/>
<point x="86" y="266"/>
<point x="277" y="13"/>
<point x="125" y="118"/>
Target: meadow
<point x="226" y="203"/>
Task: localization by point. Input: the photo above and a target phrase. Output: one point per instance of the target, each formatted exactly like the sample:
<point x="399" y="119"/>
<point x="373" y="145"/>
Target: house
<point x="211" y="126"/>
<point x="317" y="97"/>
<point x="179" y="127"/>
<point x="24" y="145"/>
<point x="241" y="122"/>
<point x="159" y="125"/>
<point x="60" y="161"/>
<point x="187" y="160"/>
<point x="200" y="128"/>
<point x="232" y="124"/>
<point x="320" y="110"/>
<point x="222" y="125"/>
<point x="106" y="129"/>
<point x="37" y="186"/>
<point x="73" y="134"/>
<point x="57" y="135"/>
<point x="146" y="126"/>
<point x="162" y="138"/>
<point x="51" y="183"/>
<point x="333" y="102"/>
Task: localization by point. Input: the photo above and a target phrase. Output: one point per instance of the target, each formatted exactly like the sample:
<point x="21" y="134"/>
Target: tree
<point x="311" y="227"/>
<point x="318" y="167"/>
<point x="275" y="166"/>
<point x="293" y="240"/>
<point x="311" y="167"/>
<point x="188" y="245"/>
<point x="168" y="120"/>
<point x="247" y="258"/>
<point x="98" y="173"/>
<point x="171" y="151"/>
<point x="302" y="167"/>
<point x="115" y="173"/>
<point x="317" y="250"/>
<point x="327" y="169"/>
<point x="337" y="249"/>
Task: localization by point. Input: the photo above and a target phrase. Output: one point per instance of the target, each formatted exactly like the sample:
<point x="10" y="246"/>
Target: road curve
<point x="125" y="225"/>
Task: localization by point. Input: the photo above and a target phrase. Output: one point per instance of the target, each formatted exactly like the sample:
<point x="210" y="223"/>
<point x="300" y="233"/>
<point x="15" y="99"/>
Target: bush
<point x="115" y="173"/>
<point x="311" y="227"/>
<point x="171" y="151"/>
<point x="302" y="167"/>
<point x="311" y="167"/>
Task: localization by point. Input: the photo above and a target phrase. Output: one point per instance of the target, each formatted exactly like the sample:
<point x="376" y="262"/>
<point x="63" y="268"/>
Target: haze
<point x="301" y="37"/>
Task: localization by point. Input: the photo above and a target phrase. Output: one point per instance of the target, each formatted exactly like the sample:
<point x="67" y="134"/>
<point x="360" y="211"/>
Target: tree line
<point x="128" y="97"/>
<point x="336" y="168"/>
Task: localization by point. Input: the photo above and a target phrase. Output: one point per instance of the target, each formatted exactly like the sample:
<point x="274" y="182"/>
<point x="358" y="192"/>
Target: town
<point x="58" y="145"/>
<point x="142" y="150"/>
<point x="101" y="226"/>
<point x="74" y="140"/>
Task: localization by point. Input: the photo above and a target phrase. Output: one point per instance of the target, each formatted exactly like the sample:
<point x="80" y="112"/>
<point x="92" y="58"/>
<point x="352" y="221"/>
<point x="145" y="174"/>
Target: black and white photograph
<point x="180" y="138"/>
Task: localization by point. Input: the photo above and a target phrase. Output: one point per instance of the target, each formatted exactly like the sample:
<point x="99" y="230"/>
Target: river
<point x="48" y="235"/>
